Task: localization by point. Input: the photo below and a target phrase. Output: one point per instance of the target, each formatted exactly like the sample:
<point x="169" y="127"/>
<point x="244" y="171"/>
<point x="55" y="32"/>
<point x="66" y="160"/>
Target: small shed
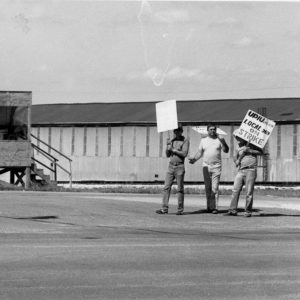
<point x="15" y="141"/>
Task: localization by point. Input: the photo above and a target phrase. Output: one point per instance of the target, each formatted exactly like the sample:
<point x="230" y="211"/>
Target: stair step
<point x="37" y="174"/>
<point x="46" y="178"/>
<point x="40" y="173"/>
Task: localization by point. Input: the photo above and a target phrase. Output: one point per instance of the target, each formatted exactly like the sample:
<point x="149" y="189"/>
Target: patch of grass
<point x="5" y="186"/>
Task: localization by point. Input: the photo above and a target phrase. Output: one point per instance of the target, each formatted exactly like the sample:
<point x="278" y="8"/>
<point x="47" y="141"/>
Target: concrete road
<point x="109" y="246"/>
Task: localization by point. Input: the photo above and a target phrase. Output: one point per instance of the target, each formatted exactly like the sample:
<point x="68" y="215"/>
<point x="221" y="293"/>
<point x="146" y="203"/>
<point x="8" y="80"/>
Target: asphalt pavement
<point x="114" y="246"/>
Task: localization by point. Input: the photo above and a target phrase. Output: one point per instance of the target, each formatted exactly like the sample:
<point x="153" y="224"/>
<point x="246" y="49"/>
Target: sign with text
<point x="255" y="129"/>
<point x="166" y="115"/>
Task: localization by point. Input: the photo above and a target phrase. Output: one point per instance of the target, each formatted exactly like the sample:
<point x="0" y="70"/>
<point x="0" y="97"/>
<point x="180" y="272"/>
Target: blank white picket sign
<point x="166" y="115"/>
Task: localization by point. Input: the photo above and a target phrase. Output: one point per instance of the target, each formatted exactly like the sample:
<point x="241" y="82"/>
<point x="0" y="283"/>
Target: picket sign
<point x="255" y="129"/>
<point x="166" y="115"/>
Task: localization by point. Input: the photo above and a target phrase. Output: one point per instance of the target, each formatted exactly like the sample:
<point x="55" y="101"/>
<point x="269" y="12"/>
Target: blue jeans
<point x="247" y="177"/>
<point x="211" y="177"/>
<point x="172" y="173"/>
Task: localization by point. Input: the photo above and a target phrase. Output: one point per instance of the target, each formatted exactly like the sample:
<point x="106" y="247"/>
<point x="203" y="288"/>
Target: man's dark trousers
<point x="174" y="172"/>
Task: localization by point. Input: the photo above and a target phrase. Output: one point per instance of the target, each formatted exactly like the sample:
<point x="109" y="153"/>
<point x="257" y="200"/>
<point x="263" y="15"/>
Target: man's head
<point x="179" y="130"/>
<point x="211" y="130"/>
<point x="238" y="139"/>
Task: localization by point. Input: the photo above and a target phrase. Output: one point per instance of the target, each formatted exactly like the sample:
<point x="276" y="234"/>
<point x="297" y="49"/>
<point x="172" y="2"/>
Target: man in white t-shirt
<point x="210" y="149"/>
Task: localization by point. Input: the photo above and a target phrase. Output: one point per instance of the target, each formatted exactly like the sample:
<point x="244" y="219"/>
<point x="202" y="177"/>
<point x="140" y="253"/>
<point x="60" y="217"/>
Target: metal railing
<point x="53" y="160"/>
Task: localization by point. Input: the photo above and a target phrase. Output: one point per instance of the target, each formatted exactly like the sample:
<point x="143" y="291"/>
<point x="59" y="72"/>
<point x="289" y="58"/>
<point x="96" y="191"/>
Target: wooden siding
<point x="128" y="154"/>
<point x="15" y="154"/>
<point x="14" y="151"/>
<point x="15" y="98"/>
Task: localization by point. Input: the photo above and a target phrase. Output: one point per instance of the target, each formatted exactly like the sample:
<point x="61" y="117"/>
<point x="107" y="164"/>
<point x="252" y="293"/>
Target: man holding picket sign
<point x="177" y="149"/>
<point x="251" y="137"/>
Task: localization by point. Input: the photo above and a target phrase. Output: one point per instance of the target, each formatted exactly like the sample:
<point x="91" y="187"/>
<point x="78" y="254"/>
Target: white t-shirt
<point x="211" y="149"/>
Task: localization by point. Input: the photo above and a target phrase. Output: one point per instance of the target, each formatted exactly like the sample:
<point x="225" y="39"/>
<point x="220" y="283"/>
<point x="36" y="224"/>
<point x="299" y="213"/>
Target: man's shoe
<point x="179" y="213"/>
<point x="230" y="213"/>
<point x="247" y="214"/>
<point x="161" y="211"/>
<point x="215" y="211"/>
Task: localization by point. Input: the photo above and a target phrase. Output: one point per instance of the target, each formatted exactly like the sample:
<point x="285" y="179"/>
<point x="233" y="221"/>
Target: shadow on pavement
<point x="220" y="211"/>
<point x="275" y="215"/>
<point x="43" y="219"/>
<point x="37" y="218"/>
<point x="241" y="211"/>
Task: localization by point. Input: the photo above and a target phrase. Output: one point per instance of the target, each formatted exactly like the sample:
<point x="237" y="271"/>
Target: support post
<point x="12" y="177"/>
<point x="27" y="178"/>
<point x="265" y="161"/>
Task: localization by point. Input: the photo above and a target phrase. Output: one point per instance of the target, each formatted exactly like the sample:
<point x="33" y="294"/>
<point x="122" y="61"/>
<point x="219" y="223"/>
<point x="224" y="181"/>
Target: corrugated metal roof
<point x="221" y="111"/>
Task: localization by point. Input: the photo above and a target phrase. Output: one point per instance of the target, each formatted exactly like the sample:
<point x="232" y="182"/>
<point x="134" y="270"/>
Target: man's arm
<point x="185" y="149"/>
<point x="236" y="158"/>
<point x="238" y="155"/>
<point x="197" y="155"/>
<point x="169" y="148"/>
<point x="252" y="151"/>
<point x="225" y="147"/>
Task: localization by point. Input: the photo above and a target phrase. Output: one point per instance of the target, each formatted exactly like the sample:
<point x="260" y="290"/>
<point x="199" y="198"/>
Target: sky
<point x="125" y="51"/>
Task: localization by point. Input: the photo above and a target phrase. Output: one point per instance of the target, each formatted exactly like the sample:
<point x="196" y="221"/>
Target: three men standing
<point x="210" y="149"/>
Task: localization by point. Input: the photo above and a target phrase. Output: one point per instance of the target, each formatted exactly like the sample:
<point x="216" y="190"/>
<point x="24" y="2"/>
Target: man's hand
<point x="247" y="150"/>
<point x="169" y="144"/>
<point x="237" y="163"/>
<point x="192" y="160"/>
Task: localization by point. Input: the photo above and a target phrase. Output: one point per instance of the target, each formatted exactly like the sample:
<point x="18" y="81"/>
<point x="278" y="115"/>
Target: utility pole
<point x="265" y="159"/>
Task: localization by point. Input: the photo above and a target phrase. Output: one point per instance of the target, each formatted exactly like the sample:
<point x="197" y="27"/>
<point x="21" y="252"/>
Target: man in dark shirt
<point x="177" y="149"/>
<point x="245" y="159"/>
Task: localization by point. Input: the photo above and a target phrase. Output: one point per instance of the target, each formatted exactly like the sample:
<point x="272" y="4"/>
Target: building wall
<point x="136" y="153"/>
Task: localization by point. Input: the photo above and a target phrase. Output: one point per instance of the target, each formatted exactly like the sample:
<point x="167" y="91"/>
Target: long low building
<point x="119" y="142"/>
